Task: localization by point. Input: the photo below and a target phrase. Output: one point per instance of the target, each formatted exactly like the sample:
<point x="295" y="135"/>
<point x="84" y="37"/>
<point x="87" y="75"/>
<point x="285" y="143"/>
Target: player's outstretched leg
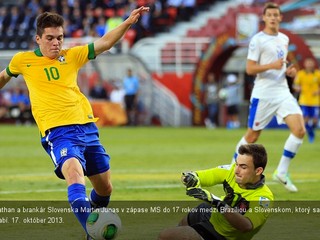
<point x="281" y="173"/>
<point x="101" y="192"/>
<point x="79" y="203"/>
<point x="241" y="142"/>
<point x="97" y="201"/>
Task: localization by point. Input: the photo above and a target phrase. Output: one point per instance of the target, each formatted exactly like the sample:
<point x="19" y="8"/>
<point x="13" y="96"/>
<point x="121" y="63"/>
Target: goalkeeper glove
<point x="205" y="195"/>
<point x="190" y="179"/>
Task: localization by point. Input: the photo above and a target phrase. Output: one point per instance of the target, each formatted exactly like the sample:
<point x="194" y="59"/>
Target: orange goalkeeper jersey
<point x="56" y="99"/>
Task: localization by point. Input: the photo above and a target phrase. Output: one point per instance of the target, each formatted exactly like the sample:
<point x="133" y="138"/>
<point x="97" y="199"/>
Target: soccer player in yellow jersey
<point x="238" y="215"/>
<point x="62" y="113"/>
<point x="307" y="84"/>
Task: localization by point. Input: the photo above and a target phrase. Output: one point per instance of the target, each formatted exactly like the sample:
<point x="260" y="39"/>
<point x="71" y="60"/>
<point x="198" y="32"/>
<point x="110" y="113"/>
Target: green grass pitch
<point x="146" y="163"/>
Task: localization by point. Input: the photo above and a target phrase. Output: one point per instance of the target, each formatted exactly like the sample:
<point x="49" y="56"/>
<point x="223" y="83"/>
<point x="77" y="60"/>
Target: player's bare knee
<point x="74" y="177"/>
<point x="73" y="172"/>
<point x="299" y="133"/>
<point x="109" y="188"/>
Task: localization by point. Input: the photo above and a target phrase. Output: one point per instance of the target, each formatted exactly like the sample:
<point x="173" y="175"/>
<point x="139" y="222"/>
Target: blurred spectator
<point x="51" y="6"/>
<point x="212" y="101"/>
<point x="155" y="13"/>
<point x="187" y="10"/>
<point x="98" y="91"/>
<point x="232" y="101"/>
<point x="14" y="20"/>
<point x="307" y="85"/>
<point x="82" y="16"/>
<point x="27" y="21"/>
<point x="131" y="87"/>
<point x="113" y="21"/>
<point x="66" y="12"/>
<point x="174" y="3"/>
<point x="34" y="5"/>
<point x="19" y="106"/>
<point x="100" y="27"/>
<point x="3" y="19"/>
<point x="146" y="21"/>
<point x="117" y="94"/>
<point x="77" y="19"/>
<point x="4" y="104"/>
<point x="89" y="15"/>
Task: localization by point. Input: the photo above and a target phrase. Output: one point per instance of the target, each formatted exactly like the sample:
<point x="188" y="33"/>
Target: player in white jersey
<point x="271" y="95"/>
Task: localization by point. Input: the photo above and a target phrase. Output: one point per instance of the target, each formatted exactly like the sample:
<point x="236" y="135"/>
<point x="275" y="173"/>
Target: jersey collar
<point x="38" y="52"/>
<point x="256" y="185"/>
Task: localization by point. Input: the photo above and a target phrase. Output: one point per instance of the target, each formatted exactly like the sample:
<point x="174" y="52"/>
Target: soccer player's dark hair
<point x="270" y="5"/>
<point x="258" y="153"/>
<point x="46" y="20"/>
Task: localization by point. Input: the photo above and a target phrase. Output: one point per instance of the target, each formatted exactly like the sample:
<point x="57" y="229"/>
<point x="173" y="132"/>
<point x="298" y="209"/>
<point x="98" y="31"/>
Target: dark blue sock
<point x="310" y="130"/>
<point x="99" y="201"/>
<point x="79" y="202"/>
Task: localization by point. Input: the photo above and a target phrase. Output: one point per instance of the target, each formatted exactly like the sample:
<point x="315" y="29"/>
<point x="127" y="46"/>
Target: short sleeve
<point x="13" y="70"/>
<point x="253" y="50"/>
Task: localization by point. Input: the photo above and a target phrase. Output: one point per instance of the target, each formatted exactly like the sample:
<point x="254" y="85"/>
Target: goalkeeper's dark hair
<point x="270" y="5"/>
<point x="48" y="19"/>
<point x="258" y="153"/>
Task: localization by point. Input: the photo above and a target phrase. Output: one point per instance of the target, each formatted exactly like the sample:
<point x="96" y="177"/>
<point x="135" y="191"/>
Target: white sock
<point x="290" y="149"/>
<point x="241" y="142"/>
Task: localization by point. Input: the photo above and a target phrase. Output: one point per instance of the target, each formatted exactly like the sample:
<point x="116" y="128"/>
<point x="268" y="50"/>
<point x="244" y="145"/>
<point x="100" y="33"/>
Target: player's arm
<point x="4" y="78"/>
<point x="109" y="39"/>
<point x="296" y="84"/>
<point x="213" y="176"/>
<point x="253" y="68"/>
<point x="291" y="71"/>
<point x="205" y="178"/>
<point x="236" y="219"/>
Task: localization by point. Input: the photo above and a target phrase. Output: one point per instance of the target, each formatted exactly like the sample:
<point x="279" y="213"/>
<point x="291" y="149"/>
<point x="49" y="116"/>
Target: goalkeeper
<point x="239" y="214"/>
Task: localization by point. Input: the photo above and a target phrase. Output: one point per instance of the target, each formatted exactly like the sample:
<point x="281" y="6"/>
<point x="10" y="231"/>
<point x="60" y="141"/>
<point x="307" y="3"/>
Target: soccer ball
<point x="103" y="224"/>
<point x="223" y="93"/>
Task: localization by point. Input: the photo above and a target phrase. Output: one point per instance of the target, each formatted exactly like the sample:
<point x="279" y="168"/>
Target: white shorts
<point x="262" y="111"/>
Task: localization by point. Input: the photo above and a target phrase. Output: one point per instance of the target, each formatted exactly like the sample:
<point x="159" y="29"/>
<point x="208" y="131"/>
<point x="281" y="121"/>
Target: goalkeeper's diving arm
<point x="235" y="219"/>
<point x="238" y="221"/>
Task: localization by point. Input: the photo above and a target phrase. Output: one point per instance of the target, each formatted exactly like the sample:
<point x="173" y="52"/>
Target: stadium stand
<point x="17" y="18"/>
<point x="168" y="43"/>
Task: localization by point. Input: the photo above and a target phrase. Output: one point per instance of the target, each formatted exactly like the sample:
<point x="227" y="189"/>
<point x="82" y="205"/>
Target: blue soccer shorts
<point x="78" y="141"/>
<point x="310" y="111"/>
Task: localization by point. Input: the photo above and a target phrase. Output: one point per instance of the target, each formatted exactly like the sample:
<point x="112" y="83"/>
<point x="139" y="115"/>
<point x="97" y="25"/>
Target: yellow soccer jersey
<point x="255" y="201"/>
<point x="55" y="97"/>
<point x="310" y="84"/>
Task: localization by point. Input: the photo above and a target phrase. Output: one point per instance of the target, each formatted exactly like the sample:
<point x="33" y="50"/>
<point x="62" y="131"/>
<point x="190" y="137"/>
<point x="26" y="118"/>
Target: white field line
<point x="166" y="186"/>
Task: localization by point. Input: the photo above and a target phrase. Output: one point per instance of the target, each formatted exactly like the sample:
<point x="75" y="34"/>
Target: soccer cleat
<point x="285" y="180"/>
